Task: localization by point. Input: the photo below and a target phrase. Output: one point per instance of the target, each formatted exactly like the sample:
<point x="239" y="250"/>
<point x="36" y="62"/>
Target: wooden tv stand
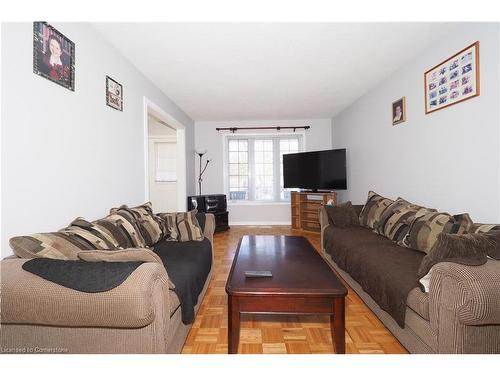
<point x="305" y="209"/>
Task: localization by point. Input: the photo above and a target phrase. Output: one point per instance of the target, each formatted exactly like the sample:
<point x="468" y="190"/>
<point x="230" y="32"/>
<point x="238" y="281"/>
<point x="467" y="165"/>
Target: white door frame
<point x="152" y="108"/>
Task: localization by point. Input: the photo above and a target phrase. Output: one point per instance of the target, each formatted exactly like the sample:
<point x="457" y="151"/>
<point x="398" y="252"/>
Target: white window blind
<point x="165" y="161"/>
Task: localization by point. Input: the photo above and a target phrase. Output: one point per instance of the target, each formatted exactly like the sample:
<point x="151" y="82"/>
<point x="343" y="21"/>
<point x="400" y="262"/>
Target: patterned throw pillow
<point x="186" y="227"/>
<point x="55" y="245"/>
<point x="149" y="224"/>
<point x="170" y="232"/>
<point x="395" y="221"/>
<point x="373" y="209"/>
<point x="424" y="230"/>
<point x="66" y="243"/>
<point x="122" y="225"/>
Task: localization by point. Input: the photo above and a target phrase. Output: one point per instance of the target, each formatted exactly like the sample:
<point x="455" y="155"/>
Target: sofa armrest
<point x="13" y="256"/>
<point x="472" y="293"/>
<point x="324" y="223"/>
<point x="464" y="307"/>
<point x="209" y="227"/>
<point x="30" y="299"/>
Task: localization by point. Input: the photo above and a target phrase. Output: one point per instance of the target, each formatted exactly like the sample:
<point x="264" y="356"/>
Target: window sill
<point x="258" y="203"/>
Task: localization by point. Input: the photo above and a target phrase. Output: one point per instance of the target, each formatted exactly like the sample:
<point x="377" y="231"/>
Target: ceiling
<point x="257" y="71"/>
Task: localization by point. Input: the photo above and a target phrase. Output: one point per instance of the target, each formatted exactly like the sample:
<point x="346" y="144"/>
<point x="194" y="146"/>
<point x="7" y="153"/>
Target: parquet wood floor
<point x="265" y="334"/>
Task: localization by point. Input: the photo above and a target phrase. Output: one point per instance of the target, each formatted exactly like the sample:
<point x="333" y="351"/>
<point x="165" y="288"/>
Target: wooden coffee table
<point x="301" y="283"/>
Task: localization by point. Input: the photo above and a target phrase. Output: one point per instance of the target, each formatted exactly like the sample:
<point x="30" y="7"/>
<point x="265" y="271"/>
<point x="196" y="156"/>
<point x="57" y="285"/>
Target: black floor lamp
<point x="200" y="179"/>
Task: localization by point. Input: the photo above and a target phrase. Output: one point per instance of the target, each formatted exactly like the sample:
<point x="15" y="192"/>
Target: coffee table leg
<point x="233" y="325"/>
<point x="337" y="325"/>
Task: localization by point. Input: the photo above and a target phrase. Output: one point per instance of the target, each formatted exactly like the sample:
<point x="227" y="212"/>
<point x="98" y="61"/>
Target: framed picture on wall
<point x="399" y="111"/>
<point x="114" y="94"/>
<point x="53" y="55"/>
<point x="454" y="80"/>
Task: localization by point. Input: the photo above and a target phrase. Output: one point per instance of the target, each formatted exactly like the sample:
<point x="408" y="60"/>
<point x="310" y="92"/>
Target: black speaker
<point x="215" y="204"/>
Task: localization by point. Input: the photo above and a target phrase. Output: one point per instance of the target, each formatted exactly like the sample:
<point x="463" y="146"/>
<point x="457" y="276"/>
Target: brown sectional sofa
<point x="142" y="315"/>
<point x="459" y="314"/>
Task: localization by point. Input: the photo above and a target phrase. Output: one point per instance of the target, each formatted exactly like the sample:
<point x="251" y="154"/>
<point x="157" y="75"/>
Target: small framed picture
<point x="399" y="111"/>
<point x="53" y="55"/>
<point x="114" y="94"/>
<point x="454" y="80"/>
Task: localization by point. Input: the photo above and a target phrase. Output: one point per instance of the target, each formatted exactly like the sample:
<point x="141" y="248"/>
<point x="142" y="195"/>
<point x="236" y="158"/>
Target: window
<point x="264" y="169"/>
<point x="238" y="169"/>
<point x="255" y="166"/>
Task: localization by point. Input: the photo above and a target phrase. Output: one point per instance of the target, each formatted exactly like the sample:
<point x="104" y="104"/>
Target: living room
<point x="314" y="188"/>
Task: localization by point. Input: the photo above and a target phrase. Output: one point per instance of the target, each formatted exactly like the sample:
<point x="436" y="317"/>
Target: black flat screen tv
<point x="318" y="170"/>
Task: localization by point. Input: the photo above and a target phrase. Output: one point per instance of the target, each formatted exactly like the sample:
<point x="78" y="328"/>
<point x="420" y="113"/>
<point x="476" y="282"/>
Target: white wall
<point x="66" y="154"/>
<point x="448" y="159"/>
<point x="318" y="137"/>
<point x="157" y="129"/>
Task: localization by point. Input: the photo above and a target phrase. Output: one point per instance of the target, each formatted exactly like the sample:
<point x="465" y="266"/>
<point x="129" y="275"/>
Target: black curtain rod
<point x="233" y="129"/>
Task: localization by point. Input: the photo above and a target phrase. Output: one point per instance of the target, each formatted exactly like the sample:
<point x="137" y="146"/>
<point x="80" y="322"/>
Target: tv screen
<point x="318" y="170"/>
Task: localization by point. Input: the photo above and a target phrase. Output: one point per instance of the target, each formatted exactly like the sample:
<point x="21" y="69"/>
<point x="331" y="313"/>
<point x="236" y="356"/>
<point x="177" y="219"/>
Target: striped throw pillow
<point x="149" y="224"/>
<point x="99" y="237"/>
<point x="124" y="229"/>
<point x="186" y="227"/>
<point x="170" y="232"/>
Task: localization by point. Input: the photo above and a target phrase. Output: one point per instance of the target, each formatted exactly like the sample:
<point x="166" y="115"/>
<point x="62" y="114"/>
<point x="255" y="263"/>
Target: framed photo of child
<point x="53" y="55"/>
<point x="399" y="111"/>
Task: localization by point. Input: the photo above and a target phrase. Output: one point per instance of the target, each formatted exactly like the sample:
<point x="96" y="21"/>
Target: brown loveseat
<point x="459" y="314"/>
<point x="142" y="315"/>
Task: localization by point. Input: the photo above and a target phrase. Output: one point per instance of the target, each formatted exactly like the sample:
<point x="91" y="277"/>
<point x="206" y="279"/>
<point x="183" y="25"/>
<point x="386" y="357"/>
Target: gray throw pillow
<point x="342" y="215"/>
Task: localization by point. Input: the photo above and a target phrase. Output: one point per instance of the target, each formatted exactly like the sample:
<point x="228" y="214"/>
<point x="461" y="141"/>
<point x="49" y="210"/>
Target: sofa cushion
<point x="424" y="230"/>
<point x="149" y="224"/>
<point x="126" y="255"/>
<point x="342" y="215"/>
<point x="174" y="303"/>
<point x="373" y="209"/>
<point x="188" y="264"/>
<point x="418" y="301"/>
<point x="396" y="219"/>
<point x="386" y="271"/>
<point x="124" y="228"/>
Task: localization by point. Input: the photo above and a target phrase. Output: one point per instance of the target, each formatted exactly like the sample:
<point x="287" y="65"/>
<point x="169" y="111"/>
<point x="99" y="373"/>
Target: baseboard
<point x="259" y="223"/>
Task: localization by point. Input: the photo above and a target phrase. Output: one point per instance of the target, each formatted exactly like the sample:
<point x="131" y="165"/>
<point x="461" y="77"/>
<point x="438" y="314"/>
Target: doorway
<point x="165" y="160"/>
